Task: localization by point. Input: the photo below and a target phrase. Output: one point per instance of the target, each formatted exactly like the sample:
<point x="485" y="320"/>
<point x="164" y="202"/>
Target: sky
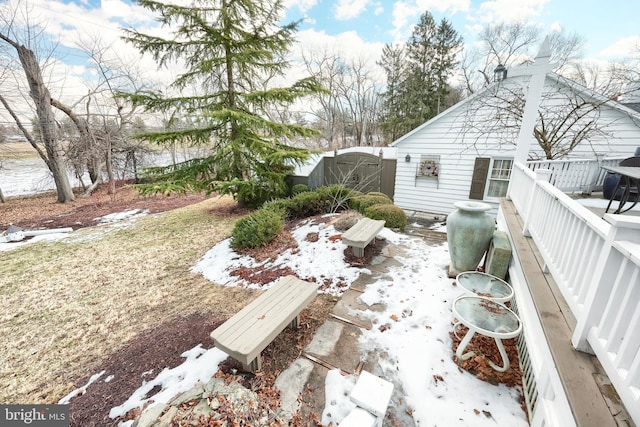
<point x="353" y="28"/>
<point x="609" y="28"/>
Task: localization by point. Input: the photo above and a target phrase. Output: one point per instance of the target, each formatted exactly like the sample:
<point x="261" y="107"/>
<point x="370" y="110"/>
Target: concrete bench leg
<point x="295" y="322"/>
<point x="255" y="365"/>
<point x="359" y="252"/>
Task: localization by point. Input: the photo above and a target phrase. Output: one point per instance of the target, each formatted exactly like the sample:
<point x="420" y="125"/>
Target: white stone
<point x="359" y="418"/>
<point x="372" y="393"/>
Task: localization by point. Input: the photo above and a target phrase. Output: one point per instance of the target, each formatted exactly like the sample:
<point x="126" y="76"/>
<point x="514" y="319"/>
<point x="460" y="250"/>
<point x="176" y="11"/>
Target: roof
<point x="306" y="168"/>
<point x="582" y="90"/>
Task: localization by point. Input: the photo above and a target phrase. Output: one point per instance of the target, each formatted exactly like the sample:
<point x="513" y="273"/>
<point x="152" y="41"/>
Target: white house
<point x="467" y="152"/>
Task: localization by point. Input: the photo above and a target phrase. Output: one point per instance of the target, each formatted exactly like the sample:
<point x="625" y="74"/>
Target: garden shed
<point x="364" y="169"/>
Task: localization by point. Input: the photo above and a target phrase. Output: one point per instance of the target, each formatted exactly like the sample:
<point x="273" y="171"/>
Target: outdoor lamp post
<point x="500" y="73"/>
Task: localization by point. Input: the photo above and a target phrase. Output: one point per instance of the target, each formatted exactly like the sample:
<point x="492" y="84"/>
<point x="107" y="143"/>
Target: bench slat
<point x="249" y="331"/>
<point x="361" y="234"/>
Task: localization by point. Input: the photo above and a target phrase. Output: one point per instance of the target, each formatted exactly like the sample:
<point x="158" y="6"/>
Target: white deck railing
<point x="583" y="175"/>
<point x="596" y="265"/>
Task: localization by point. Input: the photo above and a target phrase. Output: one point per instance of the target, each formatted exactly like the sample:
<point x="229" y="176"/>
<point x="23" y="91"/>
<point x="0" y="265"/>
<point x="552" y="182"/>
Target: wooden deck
<point x="591" y="396"/>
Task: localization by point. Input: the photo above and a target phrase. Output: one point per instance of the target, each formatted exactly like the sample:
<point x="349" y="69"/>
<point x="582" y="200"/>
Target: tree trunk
<point x="92" y="162"/>
<point x="111" y="188"/>
<point x="42" y="99"/>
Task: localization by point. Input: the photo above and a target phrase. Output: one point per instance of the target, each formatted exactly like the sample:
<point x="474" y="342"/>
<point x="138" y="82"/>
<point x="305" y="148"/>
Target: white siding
<point x="458" y="144"/>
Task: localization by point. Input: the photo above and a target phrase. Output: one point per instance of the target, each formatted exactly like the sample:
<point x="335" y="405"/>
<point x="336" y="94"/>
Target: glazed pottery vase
<point x="469" y="232"/>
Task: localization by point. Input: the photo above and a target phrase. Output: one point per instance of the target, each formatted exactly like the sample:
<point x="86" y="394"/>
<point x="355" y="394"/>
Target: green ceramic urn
<point x="469" y="232"/>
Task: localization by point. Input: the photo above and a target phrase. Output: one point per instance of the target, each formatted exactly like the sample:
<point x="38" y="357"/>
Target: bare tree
<point x="359" y="93"/>
<point x="19" y="34"/>
<point x="511" y="45"/>
<point x="348" y="109"/>
<point x="568" y="115"/>
<point x="107" y="121"/>
<point x="326" y="67"/>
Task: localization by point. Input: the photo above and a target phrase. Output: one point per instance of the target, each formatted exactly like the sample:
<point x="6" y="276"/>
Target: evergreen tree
<point x="448" y="44"/>
<point x="417" y="75"/>
<point x="230" y="48"/>
<point x="393" y="62"/>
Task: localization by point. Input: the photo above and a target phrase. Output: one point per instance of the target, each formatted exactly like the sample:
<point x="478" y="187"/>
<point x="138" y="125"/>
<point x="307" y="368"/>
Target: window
<point x="490" y="178"/>
<point x="499" y="177"/>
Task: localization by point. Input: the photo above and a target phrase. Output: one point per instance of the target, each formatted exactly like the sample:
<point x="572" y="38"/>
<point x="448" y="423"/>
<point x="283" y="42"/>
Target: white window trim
<point x="488" y="183"/>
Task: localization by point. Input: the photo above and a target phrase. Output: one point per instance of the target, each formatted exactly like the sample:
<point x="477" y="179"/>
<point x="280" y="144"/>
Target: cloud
<point x="349" y="9"/>
<point x="302" y="5"/>
<point x="403" y="13"/>
<point x="510" y="11"/>
<point x="349" y="44"/>
<point x="624" y="47"/>
<point x="556" y="27"/>
<point x="406" y="13"/>
<point x="450" y="6"/>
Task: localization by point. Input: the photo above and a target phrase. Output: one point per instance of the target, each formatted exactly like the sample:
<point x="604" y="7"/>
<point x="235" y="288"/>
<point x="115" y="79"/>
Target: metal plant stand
<point x="485" y="285"/>
<point x="489" y="318"/>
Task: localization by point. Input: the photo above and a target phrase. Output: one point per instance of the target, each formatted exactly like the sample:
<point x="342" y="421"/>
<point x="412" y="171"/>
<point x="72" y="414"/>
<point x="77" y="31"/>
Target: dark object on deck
<point x="611" y="181"/>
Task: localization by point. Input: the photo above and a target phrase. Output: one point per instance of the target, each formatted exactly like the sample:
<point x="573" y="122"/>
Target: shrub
<point x="335" y="191"/>
<point x="308" y="204"/>
<point x="337" y="196"/>
<point x="361" y="203"/>
<point x="392" y="214"/>
<point x="377" y="193"/>
<point x="299" y="188"/>
<point x="257" y="229"/>
<point x="283" y="207"/>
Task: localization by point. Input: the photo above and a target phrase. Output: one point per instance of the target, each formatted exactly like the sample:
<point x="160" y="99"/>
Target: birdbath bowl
<point x="489" y="318"/>
<point x="485" y="285"/>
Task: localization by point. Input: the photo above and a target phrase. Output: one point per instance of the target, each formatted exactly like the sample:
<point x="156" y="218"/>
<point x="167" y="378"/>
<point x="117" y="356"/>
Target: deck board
<point x="577" y="370"/>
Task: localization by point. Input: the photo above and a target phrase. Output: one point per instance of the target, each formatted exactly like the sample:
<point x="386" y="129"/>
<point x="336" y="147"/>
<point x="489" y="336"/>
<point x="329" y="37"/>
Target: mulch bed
<point x="151" y="350"/>
<point x="42" y="211"/>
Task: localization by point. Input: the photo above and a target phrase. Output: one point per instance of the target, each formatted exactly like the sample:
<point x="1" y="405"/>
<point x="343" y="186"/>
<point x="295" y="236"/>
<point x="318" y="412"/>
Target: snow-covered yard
<point x="417" y="295"/>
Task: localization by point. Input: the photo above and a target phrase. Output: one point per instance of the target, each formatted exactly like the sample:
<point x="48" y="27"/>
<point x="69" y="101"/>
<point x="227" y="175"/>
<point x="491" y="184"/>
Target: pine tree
<point x="393" y="62"/>
<point x="448" y="44"/>
<point x="417" y="75"/>
<point x="229" y="49"/>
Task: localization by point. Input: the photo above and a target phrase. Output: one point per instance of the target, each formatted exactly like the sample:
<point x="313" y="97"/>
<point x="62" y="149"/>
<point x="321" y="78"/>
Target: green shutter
<point x="479" y="178"/>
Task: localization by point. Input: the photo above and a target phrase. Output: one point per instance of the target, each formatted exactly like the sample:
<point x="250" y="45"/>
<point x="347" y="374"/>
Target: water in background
<point x="31" y="176"/>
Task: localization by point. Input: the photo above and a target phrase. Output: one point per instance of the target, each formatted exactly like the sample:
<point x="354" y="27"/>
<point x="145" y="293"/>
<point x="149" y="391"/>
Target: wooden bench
<point x="249" y="331"/>
<point x="361" y="234"/>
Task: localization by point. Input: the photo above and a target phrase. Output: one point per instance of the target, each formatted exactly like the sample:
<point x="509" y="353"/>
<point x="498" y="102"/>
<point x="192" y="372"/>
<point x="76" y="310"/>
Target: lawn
<point x="66" y="305"/>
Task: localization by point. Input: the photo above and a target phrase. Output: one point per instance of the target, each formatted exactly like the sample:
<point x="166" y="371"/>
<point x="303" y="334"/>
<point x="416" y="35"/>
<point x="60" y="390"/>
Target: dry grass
<point x="68" y="304"/>
<point x="16" y="150"/>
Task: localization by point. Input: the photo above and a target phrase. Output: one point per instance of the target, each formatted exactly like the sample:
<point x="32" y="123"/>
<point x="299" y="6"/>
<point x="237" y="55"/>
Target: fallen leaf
<point x="394" y="317"/>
